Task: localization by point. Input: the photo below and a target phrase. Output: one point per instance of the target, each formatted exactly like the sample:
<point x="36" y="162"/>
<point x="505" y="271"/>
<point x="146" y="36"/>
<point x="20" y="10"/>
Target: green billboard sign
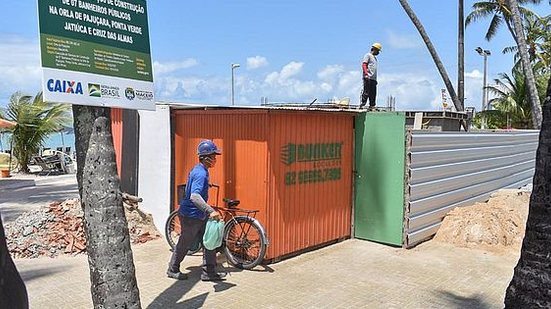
<point x="96" y="52"/>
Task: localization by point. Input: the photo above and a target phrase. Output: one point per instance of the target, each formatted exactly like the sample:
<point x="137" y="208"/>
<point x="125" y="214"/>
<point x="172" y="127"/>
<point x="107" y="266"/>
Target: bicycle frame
<point x="239" y="223"/>
<point x="229" y="215"/>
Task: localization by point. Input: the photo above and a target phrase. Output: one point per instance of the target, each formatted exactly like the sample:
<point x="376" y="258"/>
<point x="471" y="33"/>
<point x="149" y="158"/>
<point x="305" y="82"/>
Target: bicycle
<point x="245" y="241"/>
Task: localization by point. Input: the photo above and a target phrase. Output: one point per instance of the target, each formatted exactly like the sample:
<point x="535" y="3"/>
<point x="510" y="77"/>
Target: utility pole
<point x="233" y="67"/>
<point x="485" y="53"/>
<point x="461" y="55"/>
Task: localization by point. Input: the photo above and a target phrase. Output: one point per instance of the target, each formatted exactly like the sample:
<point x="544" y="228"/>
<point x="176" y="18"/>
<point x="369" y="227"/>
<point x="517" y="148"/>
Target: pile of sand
<point x="497" y="225"/>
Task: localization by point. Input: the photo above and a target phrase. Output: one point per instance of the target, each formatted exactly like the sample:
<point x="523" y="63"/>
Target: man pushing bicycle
<point x="194" y="213"/>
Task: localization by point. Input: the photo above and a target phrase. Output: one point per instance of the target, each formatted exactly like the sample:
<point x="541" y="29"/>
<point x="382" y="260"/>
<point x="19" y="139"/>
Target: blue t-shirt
<point x="197" y="182"/>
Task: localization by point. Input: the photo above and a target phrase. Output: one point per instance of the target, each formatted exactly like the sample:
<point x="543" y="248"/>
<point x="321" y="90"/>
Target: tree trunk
<point x="461" y="53"/>
<point x="433" y="53"/>
<point x="13" y="293"/>
<point x="519" y="37"/>
<point x="112" y="271"/>
<point x="530" y="286"/>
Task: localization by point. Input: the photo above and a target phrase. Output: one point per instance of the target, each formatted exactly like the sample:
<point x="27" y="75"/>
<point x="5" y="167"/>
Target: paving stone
<point x="350" y="274"/>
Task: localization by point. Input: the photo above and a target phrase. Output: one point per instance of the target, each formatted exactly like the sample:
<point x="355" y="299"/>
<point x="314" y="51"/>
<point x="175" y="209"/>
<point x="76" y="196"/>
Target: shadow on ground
<point x="170" y="298"/>
<point x="31" y="274"/>
<point x="456" y="301"/>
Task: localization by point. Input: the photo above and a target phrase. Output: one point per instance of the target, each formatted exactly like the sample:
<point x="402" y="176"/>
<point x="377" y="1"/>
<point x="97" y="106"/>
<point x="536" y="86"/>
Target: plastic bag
<point x="214" y="232"/>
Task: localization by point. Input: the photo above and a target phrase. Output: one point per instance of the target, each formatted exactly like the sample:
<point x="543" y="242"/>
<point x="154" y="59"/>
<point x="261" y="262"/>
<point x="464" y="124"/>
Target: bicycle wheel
<point x="172" y="233"/>
<point x="244" y="242"/>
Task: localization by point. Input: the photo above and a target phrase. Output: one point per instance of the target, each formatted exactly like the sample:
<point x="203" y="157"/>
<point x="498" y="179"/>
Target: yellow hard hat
<point x="377" y="46"/>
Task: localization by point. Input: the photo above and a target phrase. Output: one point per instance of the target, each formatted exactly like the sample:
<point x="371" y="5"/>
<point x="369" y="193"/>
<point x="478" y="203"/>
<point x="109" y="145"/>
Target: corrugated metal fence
<point x="446" y="170"/>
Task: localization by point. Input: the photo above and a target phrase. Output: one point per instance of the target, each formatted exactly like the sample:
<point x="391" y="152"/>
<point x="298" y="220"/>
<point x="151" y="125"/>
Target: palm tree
<point x="510" y="13"/>
<point x="499" y="12"/>
<point x="510" y="99"/>
<point x="538" y="39"/>
<point x="433" y="53"/>
<point x="525" y="60"/>
<point x="13" y="293"/>
<point x="461" y="53"/>
<point x="112" y="271"/>
<point x="529" y="287"/>
<point x="35" y="120"/>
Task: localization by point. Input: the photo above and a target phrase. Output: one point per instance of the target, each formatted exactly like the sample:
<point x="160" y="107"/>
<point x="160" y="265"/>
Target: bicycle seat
<point x="231" y="203"/>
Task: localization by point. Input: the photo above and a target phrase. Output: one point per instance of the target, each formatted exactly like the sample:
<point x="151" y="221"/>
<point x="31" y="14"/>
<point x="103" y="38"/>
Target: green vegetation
<point x="35" y="120"/>
<point x="4" y="161"/>
<point x="511" y="104"/>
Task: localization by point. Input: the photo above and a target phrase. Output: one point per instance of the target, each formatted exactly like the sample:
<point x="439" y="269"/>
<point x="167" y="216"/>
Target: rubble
<point x="58" y="229"/>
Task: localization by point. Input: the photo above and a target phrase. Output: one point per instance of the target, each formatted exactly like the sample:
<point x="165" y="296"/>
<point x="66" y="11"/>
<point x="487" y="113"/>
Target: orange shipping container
<point x="116" y="131"/>
<point x="293" y="166"/>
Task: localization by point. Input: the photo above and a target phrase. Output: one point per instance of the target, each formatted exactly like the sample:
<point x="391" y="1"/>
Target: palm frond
<point x="35" y="121"/>
<point x="496" y="21"/>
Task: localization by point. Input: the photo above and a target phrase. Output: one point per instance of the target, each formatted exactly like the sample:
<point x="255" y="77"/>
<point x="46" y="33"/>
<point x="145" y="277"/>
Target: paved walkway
<point x="351" y="274"/>
<point x="23" y="193"/>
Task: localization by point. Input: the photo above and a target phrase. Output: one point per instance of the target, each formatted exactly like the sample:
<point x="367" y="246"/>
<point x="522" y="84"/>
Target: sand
<point x="496" y="226"/>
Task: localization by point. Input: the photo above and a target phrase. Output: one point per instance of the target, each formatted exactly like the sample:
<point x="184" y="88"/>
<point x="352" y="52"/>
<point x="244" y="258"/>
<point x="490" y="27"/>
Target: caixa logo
<point x="64" y="86"/>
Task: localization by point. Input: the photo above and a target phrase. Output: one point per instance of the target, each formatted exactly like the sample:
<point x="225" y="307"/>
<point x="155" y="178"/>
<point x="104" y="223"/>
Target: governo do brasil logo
<point x="94" y="90"/>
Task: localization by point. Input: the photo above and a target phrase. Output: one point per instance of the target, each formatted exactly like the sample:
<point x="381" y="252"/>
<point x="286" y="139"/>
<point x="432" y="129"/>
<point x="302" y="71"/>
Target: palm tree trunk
<point x="112" y="271"/>
<point x="529" y="287"/>
<point x="13" y="293"/>
<point x="519" y="37"/>
<point x="461" y="53"/>
<point x="433" y="53"/>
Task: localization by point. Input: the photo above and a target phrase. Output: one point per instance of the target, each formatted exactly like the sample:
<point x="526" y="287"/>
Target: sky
<point x="288" y="51"/>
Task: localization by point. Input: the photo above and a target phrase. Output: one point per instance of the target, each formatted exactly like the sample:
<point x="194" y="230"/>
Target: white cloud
<point x="190" y="89"/>
<point x="330" y="72"/>
<point x="168" y="67"/>
<point x="474" y="74"/>
<point x="256" y="62"/>
<point x="403" y="41"/>
<point x="282" y="77"/>
<point x="473" y="89"/>
<point x="291" y="69"/>
<point x="412" y="91"/>
<point x="19" y="66"/>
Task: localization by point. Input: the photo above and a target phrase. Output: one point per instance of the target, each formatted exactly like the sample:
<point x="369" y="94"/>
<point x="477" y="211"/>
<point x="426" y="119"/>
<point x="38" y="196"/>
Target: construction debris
<point x="58" y="229"/>
<point x="496" y="226"/>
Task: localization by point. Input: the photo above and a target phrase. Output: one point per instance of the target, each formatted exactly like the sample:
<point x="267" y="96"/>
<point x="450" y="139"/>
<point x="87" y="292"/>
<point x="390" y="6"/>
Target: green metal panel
<point x="379" y="185"/>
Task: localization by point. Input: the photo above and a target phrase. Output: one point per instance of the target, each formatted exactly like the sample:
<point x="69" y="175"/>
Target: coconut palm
<point x="35" y="120"/>
<point x="529" y="287"/>
<point x="112" y="271"/>
<point x="509" y="12"/>
<point x="510" y="100"/>
<point x="499" y="12"/>
<point x="441" y="69"/>
<point x="538" y="39"/>
<point x="13" y="293"/>
<point x="461" y="52"/>
<point x="519" y="36"/>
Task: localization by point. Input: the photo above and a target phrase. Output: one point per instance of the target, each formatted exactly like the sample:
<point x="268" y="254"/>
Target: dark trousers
<point x="369" y="91"/>
<point x="191" y="229"/>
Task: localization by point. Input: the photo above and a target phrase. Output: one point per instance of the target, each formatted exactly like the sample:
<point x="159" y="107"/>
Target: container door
<point x="379" y="177"/>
